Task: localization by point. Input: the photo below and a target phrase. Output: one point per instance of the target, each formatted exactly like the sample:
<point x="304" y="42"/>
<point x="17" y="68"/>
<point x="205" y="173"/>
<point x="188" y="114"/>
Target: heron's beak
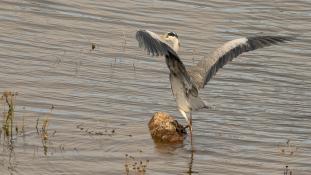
<point x="165" y="36"/>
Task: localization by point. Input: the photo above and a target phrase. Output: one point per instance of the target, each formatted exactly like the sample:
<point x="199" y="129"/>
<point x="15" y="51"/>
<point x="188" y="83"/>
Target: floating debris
<point x="287" y="171"/>
<point x="138" y="166"/>
<point x="96" y="132"/>
<point x="287" y="152"/>
<point x="288" y="149"/>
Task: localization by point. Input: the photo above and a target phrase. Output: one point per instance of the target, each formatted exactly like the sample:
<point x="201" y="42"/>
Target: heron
<point x="186" y="82"/>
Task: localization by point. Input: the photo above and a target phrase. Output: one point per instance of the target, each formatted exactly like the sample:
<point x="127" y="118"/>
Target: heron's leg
<point x="184" y="115"/>
<point x="189" y="121"/>
<point x="190" y="127"/>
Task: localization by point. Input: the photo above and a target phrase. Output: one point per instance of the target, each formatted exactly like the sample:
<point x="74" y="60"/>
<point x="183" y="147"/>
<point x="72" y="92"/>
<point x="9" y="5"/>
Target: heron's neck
<point x="176" y="44"/>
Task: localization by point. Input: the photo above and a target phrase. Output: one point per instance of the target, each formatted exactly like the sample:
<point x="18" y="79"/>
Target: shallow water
<point x="260" y="101"/>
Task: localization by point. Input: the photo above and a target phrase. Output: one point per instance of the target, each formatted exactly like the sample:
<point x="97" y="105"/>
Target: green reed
<point x="8" y="99"/>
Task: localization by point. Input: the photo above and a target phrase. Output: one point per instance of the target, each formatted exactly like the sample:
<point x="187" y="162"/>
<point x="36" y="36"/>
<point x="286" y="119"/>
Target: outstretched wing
<point x="208" y="66"/>
<point x="153" y="43"/>
<point x="155" y="46"/>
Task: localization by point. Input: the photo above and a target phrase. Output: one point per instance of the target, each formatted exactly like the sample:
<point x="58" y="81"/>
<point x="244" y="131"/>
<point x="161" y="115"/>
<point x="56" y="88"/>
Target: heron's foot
<point x="187" y="126"/>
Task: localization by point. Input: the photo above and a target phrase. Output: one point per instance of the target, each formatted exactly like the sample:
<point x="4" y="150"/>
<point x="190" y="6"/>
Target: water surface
<point x="260" y="101"/>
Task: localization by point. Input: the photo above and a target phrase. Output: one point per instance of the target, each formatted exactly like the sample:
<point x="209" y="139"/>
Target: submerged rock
<point x="164" y="128"/>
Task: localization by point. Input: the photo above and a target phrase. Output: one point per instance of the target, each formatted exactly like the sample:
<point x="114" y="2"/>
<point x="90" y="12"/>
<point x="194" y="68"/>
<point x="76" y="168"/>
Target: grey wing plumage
<point x="152" y="43"/>
<point x="208" y="66"/>
<point x="154" y="46"/>
<point x="178" y="70"/>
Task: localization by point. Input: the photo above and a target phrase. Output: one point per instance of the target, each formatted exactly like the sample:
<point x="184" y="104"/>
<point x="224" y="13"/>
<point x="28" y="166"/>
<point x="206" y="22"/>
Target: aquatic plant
<point x="8" y="99"/>
<point x="287" y="151"/>
<point x="287" y="171"/>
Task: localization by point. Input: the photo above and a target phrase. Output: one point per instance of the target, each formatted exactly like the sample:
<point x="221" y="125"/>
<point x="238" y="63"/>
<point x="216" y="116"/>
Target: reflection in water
<point x="8" y="128"/>
<point x="12" y="159"/>
<point x="159" y="124"/>
<point x="8" y="150"/>
<point x="190" y="171"/>
<point x="165" y="148"/>
<point x="170" y="148"/>
<point x="12" y="129"/>
<point x="45" y="147"/>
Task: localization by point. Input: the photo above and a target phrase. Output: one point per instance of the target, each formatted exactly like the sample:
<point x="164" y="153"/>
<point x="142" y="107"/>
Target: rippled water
<point x="261" y="100"/>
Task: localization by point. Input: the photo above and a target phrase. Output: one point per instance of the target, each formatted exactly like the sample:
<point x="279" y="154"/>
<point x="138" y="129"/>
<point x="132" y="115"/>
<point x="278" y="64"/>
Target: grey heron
<point x="186" y="82"/>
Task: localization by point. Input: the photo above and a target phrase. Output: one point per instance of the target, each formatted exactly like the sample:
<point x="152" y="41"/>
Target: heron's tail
<point x="205" y="105"/>
<point x="197" y="103"/>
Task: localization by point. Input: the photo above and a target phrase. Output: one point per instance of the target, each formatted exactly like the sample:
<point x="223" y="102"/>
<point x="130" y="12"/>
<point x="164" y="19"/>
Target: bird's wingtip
<point x="294" y="37"/>
<point x="289" y="38"/>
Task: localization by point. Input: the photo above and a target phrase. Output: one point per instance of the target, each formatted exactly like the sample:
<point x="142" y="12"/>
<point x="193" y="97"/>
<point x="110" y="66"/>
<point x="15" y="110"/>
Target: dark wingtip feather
<point x="153" y="46"/>
<point x="270" y="39"/>
<point x="139" y="38"/>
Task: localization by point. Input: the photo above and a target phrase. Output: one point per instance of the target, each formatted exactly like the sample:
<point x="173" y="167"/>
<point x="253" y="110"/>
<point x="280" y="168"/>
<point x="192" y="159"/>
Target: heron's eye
<point x="173" y="34"/>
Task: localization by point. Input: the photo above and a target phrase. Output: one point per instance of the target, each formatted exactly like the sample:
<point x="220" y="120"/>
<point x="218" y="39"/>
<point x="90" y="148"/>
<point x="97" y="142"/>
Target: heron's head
<point x="172" y="37"/>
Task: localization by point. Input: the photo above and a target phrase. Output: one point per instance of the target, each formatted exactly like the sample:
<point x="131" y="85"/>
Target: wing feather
<point x="152" y="43"/>
<point x="202" y="72"/>
<point x="156" y="47"/>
